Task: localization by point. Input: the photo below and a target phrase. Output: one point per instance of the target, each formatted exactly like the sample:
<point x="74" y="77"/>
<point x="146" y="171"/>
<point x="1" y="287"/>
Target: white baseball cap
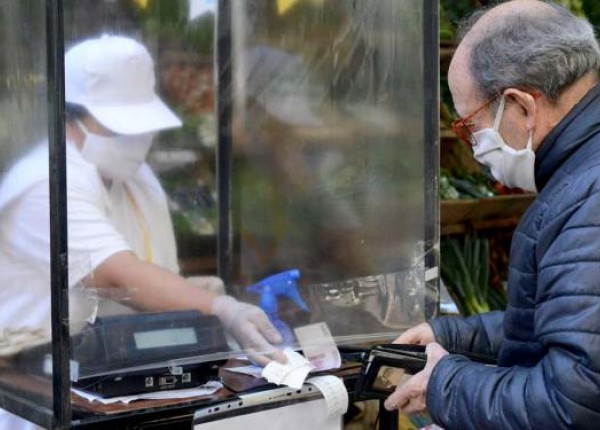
<point x="113" y="78"/>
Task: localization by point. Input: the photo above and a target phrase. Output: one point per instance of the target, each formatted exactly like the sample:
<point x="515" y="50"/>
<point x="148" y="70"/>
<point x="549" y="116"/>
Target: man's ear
<point x="527" y="103"/>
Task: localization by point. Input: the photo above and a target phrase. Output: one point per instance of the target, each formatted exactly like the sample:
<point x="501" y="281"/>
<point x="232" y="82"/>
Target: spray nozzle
<point x="280" y="284"/>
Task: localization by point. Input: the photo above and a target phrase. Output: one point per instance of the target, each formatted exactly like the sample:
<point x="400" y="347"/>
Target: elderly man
<point x="524" y="80"/>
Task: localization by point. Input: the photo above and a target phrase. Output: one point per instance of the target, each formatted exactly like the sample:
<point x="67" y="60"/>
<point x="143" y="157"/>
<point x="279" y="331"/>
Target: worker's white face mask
<point x="511" y="167"/>
<point x="116" y="157"/>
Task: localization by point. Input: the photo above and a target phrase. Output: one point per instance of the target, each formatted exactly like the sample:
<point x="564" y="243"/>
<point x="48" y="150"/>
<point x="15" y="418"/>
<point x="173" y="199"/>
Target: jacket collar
<point x="572" y="132"/>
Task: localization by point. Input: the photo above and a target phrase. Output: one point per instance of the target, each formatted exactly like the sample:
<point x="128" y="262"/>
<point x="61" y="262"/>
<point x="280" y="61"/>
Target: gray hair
<point x="541" y="52"/>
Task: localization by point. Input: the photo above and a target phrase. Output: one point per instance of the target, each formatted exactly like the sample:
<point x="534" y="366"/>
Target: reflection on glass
<point x="24" y="200"/>
<point x="329" y="158"/>
<point x="140" y="162"/>
<point x="122" y="57"/>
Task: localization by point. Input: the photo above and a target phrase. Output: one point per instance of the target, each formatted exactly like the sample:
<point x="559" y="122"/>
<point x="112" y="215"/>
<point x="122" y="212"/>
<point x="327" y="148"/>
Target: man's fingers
<point x="412" y="407"/>
<point x="396" y="399"/>
<point x="421" y="334"/>
<point x="401" y="400"/>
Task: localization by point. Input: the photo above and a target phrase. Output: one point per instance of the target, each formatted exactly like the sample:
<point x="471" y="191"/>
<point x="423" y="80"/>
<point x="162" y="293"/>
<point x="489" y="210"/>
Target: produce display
<point x="466" y="271"/>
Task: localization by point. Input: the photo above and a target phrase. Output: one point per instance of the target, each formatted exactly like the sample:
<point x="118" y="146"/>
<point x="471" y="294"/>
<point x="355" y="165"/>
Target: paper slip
<point x="318" y="346"/>
<point x="334" y="391"/>
<point x="292" y="374"/>
<point x="250" y="370"/>
<point x="203" y="390"/>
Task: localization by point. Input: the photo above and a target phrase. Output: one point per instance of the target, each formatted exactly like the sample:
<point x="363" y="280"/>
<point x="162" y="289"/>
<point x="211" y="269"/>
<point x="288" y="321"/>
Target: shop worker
<point x="524" y="80"/>
<point x="119" y="227"/>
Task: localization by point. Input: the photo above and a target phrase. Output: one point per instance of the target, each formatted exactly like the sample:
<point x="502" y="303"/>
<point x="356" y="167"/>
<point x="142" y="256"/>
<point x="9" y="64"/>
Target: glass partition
<point x="330" y="160"/>
<point x="24" y="203"/>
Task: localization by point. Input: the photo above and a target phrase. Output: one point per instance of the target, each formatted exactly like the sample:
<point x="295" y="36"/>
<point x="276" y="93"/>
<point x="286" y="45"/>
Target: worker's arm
<point x="147" y="287"/>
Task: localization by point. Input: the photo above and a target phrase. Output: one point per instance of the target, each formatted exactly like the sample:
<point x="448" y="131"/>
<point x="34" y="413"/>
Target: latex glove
<point x="421" y="334"/>
<point x="212" y="284"/>
<point x="410" y="397"/>
<point x="250" y="326"/>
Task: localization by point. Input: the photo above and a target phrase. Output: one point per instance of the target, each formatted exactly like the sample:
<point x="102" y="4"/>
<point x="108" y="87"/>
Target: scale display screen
<point x="165" y="338"/>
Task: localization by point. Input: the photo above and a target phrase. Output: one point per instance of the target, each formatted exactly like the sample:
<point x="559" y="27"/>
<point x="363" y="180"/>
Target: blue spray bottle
<point x="270" y="288"/>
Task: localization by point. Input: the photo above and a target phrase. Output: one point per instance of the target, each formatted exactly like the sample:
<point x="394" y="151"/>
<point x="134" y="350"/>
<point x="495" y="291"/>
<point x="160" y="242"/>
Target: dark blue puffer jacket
<point x="548" y="339"/>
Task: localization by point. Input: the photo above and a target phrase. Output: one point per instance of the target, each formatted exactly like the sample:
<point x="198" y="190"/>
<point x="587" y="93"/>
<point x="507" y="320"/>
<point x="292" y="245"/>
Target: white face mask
<point x="511" y="167"/>
<point x="116" y="157"/>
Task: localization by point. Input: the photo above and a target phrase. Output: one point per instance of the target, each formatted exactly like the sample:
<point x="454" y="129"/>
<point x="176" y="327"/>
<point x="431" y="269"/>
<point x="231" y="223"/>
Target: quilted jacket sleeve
<point x="562" y="390"/>
<point x="480" y="334"/>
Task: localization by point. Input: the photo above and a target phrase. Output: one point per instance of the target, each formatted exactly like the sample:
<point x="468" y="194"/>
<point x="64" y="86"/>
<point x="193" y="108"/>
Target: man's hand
<point x="250" y="326"/>
<point x="410" y="396"/>
<point x="421" y="334"/>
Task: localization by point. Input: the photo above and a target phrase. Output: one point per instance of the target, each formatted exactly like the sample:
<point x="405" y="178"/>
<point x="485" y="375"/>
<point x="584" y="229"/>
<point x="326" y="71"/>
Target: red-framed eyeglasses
<point x="463" y="127"/>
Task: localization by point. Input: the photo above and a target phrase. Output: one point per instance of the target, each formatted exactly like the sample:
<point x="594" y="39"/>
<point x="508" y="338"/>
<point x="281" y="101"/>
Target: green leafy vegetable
<point x="465" y="270"/>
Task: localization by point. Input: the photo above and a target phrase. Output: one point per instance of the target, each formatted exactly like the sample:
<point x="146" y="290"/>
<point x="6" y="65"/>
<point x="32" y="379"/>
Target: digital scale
<point x="145" y="352"/>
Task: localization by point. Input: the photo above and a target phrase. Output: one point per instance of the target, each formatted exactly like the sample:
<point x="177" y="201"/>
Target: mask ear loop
<point x="530" y="140"/>
<point x="84" y="129"/>
<point x="499" y="114"/>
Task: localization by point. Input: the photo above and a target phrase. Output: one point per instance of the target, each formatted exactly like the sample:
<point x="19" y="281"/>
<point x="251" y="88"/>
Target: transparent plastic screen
<point x="24" y="211"/>
<point x="142" y="217"/>
<point x="329" y="159"/>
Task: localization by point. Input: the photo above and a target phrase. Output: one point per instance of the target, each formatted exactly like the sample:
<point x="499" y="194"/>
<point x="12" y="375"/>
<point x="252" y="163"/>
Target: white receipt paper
<point x="203" y="390"/>
<point x="293" y="373"/>
<point x="318" y="346"/>
<point x="321" y="353"/>
<point x="299" y="416"/>
<point x="334" y="391"/>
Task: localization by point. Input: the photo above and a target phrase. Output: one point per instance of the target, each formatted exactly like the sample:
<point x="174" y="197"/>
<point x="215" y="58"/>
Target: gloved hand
<point x="250" y="326"/>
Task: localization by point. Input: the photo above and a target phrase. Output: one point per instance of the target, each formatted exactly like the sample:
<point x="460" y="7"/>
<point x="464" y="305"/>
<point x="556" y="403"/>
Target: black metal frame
<point x="61" y="386"/>
<point x="431" y="69"/>
<point x="223" y="71"/>
<point x="56" y="415"/>
<point x="388" y="420"/>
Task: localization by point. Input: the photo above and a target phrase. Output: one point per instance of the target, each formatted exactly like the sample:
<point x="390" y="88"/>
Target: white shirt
<point x="132" y="215"/>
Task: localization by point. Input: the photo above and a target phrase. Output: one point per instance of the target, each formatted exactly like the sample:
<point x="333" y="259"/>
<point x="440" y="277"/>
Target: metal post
<point x="224" y="113"/>
<point x="388" y="420"/>
<point x="431" y="79"/>
<point x="58" y="215"/>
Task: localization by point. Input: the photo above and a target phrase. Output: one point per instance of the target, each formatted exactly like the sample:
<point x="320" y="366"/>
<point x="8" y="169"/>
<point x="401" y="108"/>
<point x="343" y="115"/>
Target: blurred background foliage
<point x="170" y="19"/>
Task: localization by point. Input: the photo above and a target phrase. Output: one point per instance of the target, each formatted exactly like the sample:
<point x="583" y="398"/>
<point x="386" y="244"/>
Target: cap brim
<point x="136" y="118"/>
